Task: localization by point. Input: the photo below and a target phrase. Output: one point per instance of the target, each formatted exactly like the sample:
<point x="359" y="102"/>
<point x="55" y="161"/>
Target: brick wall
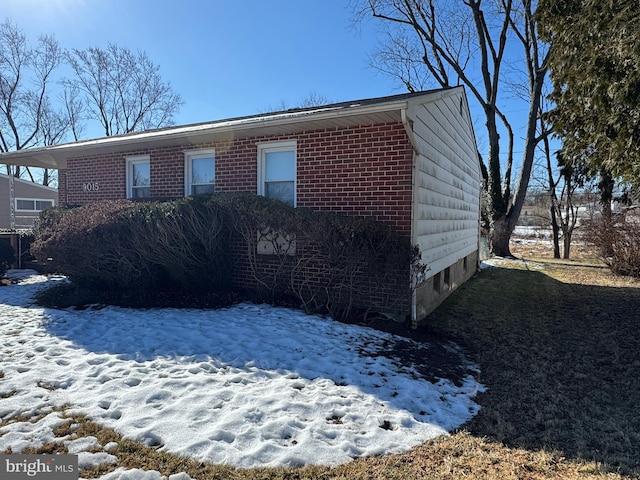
<point x="357" y="171"/>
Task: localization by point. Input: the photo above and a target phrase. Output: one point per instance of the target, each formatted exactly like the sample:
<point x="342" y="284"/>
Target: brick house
<point x="409" y="160"/>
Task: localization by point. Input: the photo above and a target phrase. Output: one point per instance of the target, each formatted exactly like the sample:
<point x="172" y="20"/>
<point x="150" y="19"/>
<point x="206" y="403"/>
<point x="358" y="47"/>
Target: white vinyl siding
<point x="139" y="177"/>
<point x="447" y="184"/>
<point x="277" y="170"/>
<point x="200" y="172"/>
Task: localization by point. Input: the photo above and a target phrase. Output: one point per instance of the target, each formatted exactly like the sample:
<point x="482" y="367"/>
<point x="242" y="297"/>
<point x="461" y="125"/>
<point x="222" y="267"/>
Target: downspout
<point x="12" y="201"/>
<point x="408" y="127"/>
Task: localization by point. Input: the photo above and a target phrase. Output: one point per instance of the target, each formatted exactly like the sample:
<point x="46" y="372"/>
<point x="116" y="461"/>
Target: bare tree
<point x="312" y="99"/>
<point x="122" y="90"/>
<point x="567" y="188"/>
<point x="75" y="109"/>
<point x="25" y="81"/>
<point x="465" y="42"/>
<point x="563" y="209"/>
<point x="54" y="126"/>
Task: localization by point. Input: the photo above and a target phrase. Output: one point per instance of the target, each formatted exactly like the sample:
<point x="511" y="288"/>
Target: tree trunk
<point x="498" y="202"/>
<point x="555" y="228"/>
<point x="503" y="226"/>
<point x="566" y="241"/>
<point x="606" y="194"/>
<point x="500" y="237"/>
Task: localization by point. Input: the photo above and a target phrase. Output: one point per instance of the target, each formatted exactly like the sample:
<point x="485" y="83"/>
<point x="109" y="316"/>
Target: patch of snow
<point x="250" y="385"/>
<point x="19" y="435"/>
<point x="82" y="444"/>
<point x="15" y="274"/>
<point x="110" y="447"/>
<point x="87" y="460"/>
<point x="137" y="474"/>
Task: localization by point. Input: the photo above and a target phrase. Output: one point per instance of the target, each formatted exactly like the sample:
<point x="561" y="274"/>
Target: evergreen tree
<point x="595" y="69"/>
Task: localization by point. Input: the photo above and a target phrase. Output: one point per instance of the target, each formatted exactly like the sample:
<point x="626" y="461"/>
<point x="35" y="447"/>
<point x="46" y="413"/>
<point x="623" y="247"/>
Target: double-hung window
<point x="138" y="177"/>
<point x="200" y="172"/>
<point x="277" y="171"/>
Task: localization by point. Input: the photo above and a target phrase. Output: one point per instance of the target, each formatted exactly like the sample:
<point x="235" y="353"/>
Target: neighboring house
<point x="21" y="202"/>
<point x="19" y="209"/>
<point x="409" y="160"/>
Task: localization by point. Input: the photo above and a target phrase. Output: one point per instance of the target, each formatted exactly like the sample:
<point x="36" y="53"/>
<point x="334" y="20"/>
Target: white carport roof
<point x="359" y="112"/>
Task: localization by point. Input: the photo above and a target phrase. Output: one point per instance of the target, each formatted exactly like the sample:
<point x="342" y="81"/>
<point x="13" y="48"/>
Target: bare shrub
<point x="264" y="242"/>
<point x="353" y="266"/>
<point x="324" y="262"/>
<point x="346" y="266"/>
<point x="618" y="242"/>
<point x="185" y="239"/>
<point x="91" y="245"/>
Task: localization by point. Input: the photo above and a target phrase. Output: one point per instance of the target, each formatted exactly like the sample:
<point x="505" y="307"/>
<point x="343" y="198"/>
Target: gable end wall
<point x="446" y="209"/>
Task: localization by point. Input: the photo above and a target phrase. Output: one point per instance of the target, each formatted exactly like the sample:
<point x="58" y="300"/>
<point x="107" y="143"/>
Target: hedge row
<point x="327" y="262"/>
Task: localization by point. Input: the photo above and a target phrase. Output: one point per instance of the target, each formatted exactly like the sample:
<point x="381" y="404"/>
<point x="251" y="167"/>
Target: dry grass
<point x="454" y="457"/>
<point x="557" y="344"/>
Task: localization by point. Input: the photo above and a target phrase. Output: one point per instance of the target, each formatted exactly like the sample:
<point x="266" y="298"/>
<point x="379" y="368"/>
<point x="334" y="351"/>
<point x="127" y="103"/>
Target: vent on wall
<point x="447" y="278"/>
<point x="437" y="282"/>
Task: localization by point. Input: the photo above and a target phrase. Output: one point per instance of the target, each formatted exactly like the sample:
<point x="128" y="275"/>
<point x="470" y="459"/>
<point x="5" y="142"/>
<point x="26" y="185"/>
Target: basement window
<point x="437" y="282"/>
<point x="447" y="279"/>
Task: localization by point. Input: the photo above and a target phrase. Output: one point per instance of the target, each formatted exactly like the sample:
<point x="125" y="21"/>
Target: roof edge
<point x="55" y="156"/>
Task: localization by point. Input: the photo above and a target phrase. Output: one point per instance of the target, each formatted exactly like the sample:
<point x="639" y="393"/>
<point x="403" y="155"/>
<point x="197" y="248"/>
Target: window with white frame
<point x="277" y="171"/>
<point x="139" y="177"/>
<point x="200" y="172"/>
<point x="32" y="204"/>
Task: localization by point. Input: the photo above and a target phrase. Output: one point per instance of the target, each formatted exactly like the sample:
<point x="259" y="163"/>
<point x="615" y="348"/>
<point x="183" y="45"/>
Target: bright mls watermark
<point x="38" y="467"/>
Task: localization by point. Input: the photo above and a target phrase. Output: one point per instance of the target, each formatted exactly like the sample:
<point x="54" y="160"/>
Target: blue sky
<point x="225" y="57"/>
<point x="230" y="58"/>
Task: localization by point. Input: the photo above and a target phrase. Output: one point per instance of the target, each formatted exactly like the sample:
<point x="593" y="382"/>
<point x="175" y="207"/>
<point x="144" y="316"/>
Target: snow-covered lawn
<point x="246" y="386"/>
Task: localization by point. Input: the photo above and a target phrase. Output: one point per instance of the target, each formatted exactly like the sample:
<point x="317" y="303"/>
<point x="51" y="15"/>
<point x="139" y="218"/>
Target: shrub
<point x="121" y="244"/>
<point x="7" y="256"/>
<point x="618" y="241"/>
<point x="92" y="246"/>
<point x="328" y="262"/>
<point x="186" y="239"/>
<point x="323" y="262"/>
<point x="353" y="265"/>
<point x="262" y="230"/>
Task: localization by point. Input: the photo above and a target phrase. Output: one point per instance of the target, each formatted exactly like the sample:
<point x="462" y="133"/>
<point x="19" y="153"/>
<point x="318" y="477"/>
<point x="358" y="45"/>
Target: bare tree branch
<point x="26" y="77"/>
<point x="122" y="90"/>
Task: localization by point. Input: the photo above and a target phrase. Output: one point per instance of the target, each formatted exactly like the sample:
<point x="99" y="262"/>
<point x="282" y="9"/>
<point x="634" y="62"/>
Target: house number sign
<point x="90" y="187"/>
